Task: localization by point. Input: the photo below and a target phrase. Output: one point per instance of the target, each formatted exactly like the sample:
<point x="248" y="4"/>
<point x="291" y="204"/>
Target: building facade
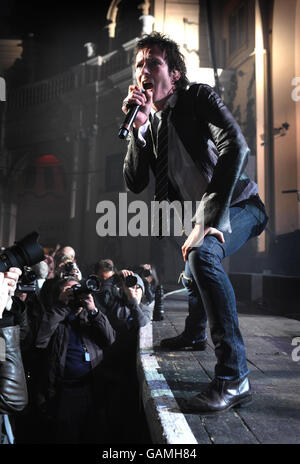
<point x="61" y="158"/>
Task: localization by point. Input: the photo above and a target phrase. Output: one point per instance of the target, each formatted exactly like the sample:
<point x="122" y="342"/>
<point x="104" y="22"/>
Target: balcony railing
<point x="47" y="90"/>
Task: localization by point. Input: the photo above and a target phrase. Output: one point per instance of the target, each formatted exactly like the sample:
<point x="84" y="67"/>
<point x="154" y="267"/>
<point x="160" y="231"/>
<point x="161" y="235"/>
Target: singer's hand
<point x="137" y="97"/>
<point x="196" y="237"/>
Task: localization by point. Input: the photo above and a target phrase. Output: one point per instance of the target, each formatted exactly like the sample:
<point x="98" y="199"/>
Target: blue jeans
<point x="210" y="293"/>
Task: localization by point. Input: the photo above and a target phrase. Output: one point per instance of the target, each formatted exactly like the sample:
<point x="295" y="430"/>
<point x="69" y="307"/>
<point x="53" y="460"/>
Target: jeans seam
<point x="211" y="257"/>
<point x="232" y="331"/>
<point x="212" y="243"/>
<point x="237" y="358"/>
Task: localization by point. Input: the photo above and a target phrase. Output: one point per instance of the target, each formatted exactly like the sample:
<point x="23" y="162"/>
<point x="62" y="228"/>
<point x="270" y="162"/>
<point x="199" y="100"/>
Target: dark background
<point x="60" y="29"/>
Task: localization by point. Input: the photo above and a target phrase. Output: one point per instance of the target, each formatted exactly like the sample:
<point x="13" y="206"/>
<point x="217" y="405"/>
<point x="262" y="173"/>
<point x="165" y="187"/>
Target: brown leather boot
<point x="221" y="395"/>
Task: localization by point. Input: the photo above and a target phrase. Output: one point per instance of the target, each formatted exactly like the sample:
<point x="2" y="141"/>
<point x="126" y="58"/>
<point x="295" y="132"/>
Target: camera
<point x="130" y="281"/>
<point x="26" y="284"/>
<point x="87" y="286"/>
<point x="25" y="252"/>
<point x="141" y="271"/>
<point x="146" y="273"/>
<point x="69" y="267"/>
<point x="135" y="279"/>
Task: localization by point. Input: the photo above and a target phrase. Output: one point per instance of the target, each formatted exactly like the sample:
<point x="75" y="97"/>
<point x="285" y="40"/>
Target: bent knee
<point x="210" y="252"/>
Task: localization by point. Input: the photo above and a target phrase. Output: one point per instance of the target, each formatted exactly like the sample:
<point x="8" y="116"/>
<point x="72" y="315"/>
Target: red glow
<point x="47" y="160"/>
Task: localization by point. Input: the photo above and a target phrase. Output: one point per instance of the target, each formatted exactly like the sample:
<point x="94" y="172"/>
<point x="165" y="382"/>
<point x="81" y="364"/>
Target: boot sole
<point x="240" y="404"/>
<point x="243" y="402"/>
<point x="184" y="348"/>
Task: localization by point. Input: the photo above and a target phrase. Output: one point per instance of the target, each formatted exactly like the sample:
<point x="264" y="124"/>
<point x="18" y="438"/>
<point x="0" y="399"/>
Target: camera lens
<point x="25" y="252"/>
<point x="130" y="281"/>
<point x="28" y="276"/>
<point x="68" y="267"/>
<point x="93" y="283"/>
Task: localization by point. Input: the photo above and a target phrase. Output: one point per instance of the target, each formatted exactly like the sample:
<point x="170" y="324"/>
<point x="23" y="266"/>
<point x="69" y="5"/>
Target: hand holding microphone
<point x="137" y="107"/>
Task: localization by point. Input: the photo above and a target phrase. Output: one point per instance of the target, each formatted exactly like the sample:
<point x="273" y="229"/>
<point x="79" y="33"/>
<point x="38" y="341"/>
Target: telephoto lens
<point x="85" y="287"/>
<point x="25" y="252"/>
<point x="92" y="283"/>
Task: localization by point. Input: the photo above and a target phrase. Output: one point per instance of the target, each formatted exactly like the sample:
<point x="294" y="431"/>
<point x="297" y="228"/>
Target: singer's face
<point x="151" y="67"/>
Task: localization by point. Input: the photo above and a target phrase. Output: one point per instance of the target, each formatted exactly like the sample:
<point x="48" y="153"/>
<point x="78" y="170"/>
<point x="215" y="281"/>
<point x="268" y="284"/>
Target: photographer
<point x="13" y="390"/>
<point x="65" y="266"/>
<point x="28" y="294"/>
<point x="108" y="278"/>
<point x="28" y="309"/>
<point x="111" y="281"/>
<point x="107" y="274"/>
<point x="125" y="309"/>
<point x="28" y="313"/>
<point x="148" y="273"/>
<point x="75" y="334"/>
<point x="126" y="314"/>
<point x="41" y="270"/>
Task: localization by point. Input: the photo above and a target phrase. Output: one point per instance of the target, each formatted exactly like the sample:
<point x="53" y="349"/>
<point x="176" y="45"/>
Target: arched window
<point x="44" y="176"/>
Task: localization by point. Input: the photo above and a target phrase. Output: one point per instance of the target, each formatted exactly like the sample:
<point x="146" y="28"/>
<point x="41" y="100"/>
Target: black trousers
<point x="79" y="415"/>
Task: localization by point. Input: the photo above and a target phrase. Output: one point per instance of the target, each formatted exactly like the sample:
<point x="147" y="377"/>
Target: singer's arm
<point x="141" y="99"/>
<point x="139" y="155"/>
<point x="137" y="162"/>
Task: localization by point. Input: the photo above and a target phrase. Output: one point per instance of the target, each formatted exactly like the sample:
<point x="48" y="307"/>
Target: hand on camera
<point x="8" y="284"/>
<point x="124" y="273"/>
<point x="21" y="295"/>
<point x="134" y="292"/>
<point x="88" y="302"/>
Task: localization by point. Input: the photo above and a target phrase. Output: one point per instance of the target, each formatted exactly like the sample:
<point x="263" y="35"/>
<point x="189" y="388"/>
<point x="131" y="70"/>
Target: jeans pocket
<point x="260" y="215"/>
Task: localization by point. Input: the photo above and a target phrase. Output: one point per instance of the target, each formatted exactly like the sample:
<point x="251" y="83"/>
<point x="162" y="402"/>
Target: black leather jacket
<point x="13" y="388"/>
<point x="207" y="130"/>
<point x="97" y="334"/>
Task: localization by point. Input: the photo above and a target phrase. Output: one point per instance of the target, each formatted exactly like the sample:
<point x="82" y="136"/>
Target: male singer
<point x="207" y="154"/>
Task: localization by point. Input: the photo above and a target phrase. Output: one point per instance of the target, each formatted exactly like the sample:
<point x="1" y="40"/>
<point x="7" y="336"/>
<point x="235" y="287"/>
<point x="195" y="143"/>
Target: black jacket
<point x="13" y="388"/>
<point x="126" y="317"/>
<point x="205" y="127"/>
<point x="97" y="334"/>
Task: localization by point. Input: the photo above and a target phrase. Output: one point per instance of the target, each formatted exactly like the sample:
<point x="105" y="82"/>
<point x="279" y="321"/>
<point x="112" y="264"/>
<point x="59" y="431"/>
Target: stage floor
<point x="169" y="377"/>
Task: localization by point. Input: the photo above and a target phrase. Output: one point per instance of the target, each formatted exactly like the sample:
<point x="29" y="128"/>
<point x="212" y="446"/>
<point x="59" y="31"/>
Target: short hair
<point x="62" y="282"/>
<point x="105" y="265"/>
<point x="174" y="57"/>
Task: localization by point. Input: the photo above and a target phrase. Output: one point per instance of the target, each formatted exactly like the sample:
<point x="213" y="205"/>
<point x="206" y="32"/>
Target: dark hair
<point x="174" y="57"/>
<point x="105" y="265"/>
<point x="62" y="282"/>
<point x="59" y="285"/>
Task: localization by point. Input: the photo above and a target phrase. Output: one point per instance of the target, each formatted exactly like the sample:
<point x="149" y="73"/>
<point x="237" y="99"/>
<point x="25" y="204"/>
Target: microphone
<point x="131" y="115"/>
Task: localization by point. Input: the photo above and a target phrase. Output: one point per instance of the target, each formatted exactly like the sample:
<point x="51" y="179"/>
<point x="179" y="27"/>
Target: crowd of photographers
<point x="68" y="350"/>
